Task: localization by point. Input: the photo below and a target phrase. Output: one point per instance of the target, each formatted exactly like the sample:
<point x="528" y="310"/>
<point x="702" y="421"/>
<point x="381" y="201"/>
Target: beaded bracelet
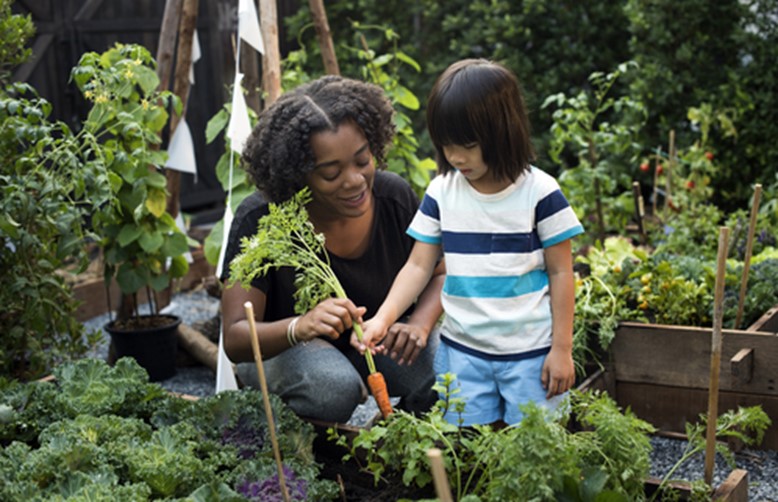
<point x="291" y="337"/>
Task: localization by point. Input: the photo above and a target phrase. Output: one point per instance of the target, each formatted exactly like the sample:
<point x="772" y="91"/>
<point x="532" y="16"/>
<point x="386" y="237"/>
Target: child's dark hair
<point x="480" y="101"/>
<point x="278" y="153"/>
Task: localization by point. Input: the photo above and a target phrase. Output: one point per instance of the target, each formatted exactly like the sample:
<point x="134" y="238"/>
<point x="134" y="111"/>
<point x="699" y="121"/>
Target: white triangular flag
<point x="182" y="226"/>
<point x="181" y="154"/>
<point x="239" y="128"/>
<point x="227" y="220"/>
<point x="196" y="54"/>
<point x="248" y="25"/>
<point x="225" y="374"/>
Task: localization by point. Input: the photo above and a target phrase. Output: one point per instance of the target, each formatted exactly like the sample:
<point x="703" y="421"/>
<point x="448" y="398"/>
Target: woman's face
<point x="342" y="180"/>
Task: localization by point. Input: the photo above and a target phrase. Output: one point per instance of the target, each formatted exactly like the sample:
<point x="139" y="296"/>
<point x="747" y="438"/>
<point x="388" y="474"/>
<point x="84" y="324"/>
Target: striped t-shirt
<point x="496" y="297"/>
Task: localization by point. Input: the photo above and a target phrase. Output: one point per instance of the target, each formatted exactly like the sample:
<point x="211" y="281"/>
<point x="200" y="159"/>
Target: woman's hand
<point x="404" y="342"/>
<point x="329" y="318"/>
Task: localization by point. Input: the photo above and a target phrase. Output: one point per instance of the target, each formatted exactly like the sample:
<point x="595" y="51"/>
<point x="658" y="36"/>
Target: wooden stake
<point x="657" y="160"/>
<point x="669" y="171"/>
<point x="639" y="210"/>
<point x="265" y="398"/>
<point x="271" y="61"/>
<point x="167" y="42"/>
<point x="328" y="56"/>
<point x="715" y="355"/>
<point x="749" y="249"/>
<point x="439" y="475"/>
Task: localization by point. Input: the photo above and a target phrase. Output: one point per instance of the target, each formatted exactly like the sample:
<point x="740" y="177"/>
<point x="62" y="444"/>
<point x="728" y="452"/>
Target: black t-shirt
<point x="366" y="279"/>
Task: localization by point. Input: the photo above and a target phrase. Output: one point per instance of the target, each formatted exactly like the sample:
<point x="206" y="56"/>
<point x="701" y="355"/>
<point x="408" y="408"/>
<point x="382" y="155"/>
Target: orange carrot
<point x="377" y="385"/>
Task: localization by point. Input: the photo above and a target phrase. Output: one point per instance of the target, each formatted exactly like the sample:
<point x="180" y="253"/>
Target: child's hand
<point x="373" y="331"/>
<point x="558" y="375"/>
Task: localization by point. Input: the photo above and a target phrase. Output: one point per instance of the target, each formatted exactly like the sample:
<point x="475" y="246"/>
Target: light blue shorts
<point x="493" y="389"/>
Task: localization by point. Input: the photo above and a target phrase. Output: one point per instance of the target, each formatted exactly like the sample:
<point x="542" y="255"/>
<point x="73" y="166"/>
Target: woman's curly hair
<point x="278" y="153"/>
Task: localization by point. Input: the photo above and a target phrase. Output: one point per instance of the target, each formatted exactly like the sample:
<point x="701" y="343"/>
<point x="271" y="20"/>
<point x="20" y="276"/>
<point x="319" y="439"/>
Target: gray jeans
<point x="316" y="380"/>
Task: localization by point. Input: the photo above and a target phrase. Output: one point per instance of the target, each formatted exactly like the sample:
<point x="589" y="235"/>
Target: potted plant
<point x="143" y="249"/>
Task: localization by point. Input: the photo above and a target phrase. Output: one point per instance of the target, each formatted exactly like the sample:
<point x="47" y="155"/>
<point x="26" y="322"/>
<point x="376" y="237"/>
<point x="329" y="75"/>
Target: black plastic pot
<point x="153" y="348"/>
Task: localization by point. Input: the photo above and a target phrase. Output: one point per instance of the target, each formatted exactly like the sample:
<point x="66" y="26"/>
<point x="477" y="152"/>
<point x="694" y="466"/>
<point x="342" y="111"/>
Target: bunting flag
<point x="248" y="25"/>
<point x="225" y="373"/>
<point x="181" y="154"/>
<point x="239" y="128"/>
<point x="227" y="221"/>
<point x="196" y="54"/>
<point x="182" y="226"/>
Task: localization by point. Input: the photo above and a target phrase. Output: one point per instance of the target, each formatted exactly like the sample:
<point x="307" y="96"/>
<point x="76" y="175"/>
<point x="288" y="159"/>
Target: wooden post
<point x="328" y="56"/>
<point x="715" y="355"/>
<point x="657" y="161"/>
<point x="181" y="89"/>
<point x="167" y="42"/>
<point x="271" y="61"/>
<point x="749" y="250"/>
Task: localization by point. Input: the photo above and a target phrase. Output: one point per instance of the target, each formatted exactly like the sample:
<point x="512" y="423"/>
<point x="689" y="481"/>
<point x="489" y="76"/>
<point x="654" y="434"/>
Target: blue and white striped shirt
<point x="496" y="295"/>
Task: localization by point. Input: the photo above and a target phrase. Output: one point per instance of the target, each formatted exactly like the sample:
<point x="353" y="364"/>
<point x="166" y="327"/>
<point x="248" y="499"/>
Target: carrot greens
<point x="286" y="238"/>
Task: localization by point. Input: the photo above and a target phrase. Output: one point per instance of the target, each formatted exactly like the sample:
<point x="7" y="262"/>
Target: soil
<point x="142" y="323"/>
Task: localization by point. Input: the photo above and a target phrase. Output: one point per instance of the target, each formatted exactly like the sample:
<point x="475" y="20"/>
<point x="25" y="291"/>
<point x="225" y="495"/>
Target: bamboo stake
<point x="669" y="171"/>
<point x="639" y="210"/>
<point x="749" y="249"/>
<point x="271" y="61"/>
<point x="328" y="56"/>
<point x="439" y="475"/>
<point x="715" y="355"/>
<point x="657" y="160"/>
<point x="265" y="399"/>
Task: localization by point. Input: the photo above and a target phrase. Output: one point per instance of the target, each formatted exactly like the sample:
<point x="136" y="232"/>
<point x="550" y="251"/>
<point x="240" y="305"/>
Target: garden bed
<point x="662" y="372"/>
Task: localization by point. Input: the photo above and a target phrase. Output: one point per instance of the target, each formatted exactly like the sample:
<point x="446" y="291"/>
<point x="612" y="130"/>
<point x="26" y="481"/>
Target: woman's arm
<point x="558" y="374"/>
<point x="329" y="318"/>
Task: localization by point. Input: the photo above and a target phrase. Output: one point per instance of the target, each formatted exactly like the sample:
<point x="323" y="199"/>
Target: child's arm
<point x="409" y="283"/>
<point x="558" y="373"/>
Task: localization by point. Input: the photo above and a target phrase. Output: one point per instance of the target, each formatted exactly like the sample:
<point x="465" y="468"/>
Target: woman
<point x="331" y="135"/>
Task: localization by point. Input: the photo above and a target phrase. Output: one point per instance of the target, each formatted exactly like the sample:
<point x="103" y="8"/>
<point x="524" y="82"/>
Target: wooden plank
<point x="39" y="48"/>
<point x="734" y="488"/>
<point x="768" y="323"/>
<point x="680" y="356"/>
<point x="669" y="408"/>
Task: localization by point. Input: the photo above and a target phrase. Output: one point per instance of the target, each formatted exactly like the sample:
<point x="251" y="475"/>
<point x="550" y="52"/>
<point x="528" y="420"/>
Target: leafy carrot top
<point x="286" y="238"/>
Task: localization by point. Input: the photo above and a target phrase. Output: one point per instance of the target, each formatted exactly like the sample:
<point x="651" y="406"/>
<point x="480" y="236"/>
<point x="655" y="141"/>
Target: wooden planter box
<point x="94" y="301"/>
<point x="662" y="372"/>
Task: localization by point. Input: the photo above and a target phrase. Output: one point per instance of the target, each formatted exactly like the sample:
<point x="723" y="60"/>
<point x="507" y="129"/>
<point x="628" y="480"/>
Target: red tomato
<point x="709" y="155"/>
<point x="690" y="184"/>
<point x="659" y="169"/>
<point x="645" y="167"/>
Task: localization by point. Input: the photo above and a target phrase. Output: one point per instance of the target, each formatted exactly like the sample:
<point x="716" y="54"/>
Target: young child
<point x="505" y="229"/>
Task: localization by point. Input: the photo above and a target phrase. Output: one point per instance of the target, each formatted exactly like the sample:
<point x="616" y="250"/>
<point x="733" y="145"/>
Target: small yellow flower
<point x="144" y="103"/>
<point x="89" y="94"/>
<point x="128" y="73"/>
<point x="102" y="98"/>
<point x="137" y="62"/>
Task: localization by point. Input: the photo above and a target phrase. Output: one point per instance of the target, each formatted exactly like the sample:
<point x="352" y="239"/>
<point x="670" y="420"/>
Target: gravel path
<point x="197" y="306"/>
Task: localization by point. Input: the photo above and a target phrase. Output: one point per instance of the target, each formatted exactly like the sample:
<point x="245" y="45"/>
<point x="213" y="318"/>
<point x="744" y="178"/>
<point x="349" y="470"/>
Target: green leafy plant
<point x="538" y="459"/>
<point x="105" y="433"/>
<point x="50" y="183"/>
<point x="143" y="247"/>
<point x="601" y="132"/>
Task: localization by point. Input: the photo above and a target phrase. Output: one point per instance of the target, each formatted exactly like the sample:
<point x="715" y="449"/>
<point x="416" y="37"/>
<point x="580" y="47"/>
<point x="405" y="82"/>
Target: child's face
<point x="468" y="160"/>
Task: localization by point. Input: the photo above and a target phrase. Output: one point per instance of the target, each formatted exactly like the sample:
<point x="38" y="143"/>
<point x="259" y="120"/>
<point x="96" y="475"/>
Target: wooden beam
<point x="168" y="33"/>
<point x="328" y="56"/>
<point x="271" y="61"/>
<point x="87" y="11"/>
<point x="742" y="366"/>
<point x="734" y="488"/>
<point x="34" y="8"/>
<point x="181" y="86"/>
<point x="39" y="47"/>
